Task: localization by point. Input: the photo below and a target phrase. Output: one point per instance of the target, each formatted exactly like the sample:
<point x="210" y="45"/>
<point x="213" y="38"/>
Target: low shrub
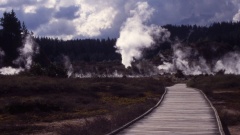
<point x="98" y="126"/>
<point x="224" y="93"/>
<point x="32" y="106"/>
<point x="29" y="100"/>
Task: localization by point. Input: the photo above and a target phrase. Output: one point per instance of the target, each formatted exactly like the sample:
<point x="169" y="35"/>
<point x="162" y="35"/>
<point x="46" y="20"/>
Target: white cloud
<point x="236" y="17"/>
<point x="30" y="9"/>
<point x="3" y="2"/>
<point x="91" y="25"/>
<point x="89" y="20"/>
<point x="57" y="28"/>
<point x="103" y="18"/>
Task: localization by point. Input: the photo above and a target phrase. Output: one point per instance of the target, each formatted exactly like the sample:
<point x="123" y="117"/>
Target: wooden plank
<point x="184" y="111"/>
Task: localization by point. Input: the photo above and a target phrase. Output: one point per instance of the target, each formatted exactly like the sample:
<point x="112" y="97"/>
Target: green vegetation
<point x="26" y="102"/>
<point x="224" y="92"/>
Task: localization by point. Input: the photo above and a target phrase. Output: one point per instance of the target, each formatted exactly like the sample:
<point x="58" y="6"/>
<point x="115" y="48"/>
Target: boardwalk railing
<point x="220" y="127"/>
<point x="180" y="111"/>
<point x="140" y="117"/>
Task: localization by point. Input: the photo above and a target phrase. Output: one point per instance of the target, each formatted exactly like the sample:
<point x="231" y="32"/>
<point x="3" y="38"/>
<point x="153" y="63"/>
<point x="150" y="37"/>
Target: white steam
<point x="166" y="67"/>
<point x="187" y="60"/>
<point x="136" y="34"/>
<point x="2" y="54"/>
<point x="25" y="59"/>
<point x="29" y="49"/>
<point x="115" y="74"/>
<point x="68" y="66"/>
<point x="230" y="63"/>
<point x="10" y="71"/>
<point x="190" y="62"/>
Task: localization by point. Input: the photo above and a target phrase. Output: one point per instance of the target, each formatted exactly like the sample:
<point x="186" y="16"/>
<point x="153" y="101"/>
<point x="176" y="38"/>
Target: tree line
<point x="211" y="41"/>
<point x="226" y="32"/>
<point x="87" y="50"/>
<point x="224" y="35"/>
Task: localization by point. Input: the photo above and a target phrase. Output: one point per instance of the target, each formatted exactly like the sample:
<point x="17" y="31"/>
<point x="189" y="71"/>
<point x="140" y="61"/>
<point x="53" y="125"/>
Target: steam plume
<point x="2" y="54"/>
<point x="29" y="49"/>
<point x="136" y="34"/>
<point x="190" y="62"/>
<point x="68" y="65"/>
<point x="187" y="60"/>
<point x="10" y="71"/>
<point x="24" y="61"/>
<point x="230" y="63"/>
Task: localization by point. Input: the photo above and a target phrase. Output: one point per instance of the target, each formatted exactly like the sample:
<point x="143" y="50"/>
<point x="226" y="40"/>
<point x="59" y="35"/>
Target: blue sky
<point x="70" y="19"/>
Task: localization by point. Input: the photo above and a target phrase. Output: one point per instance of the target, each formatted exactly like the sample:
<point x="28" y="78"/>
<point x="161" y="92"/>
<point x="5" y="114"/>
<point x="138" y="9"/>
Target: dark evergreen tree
<point x="11" y="37"/>
<point x="24" y="30"/>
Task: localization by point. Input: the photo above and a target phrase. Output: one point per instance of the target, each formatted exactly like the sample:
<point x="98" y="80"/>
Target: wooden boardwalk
<point x="184" y="111"/>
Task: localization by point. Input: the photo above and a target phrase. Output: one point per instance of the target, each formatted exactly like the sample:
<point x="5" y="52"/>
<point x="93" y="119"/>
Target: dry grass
<point x="224" y="92"/>
<point x="26" y="101"/>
